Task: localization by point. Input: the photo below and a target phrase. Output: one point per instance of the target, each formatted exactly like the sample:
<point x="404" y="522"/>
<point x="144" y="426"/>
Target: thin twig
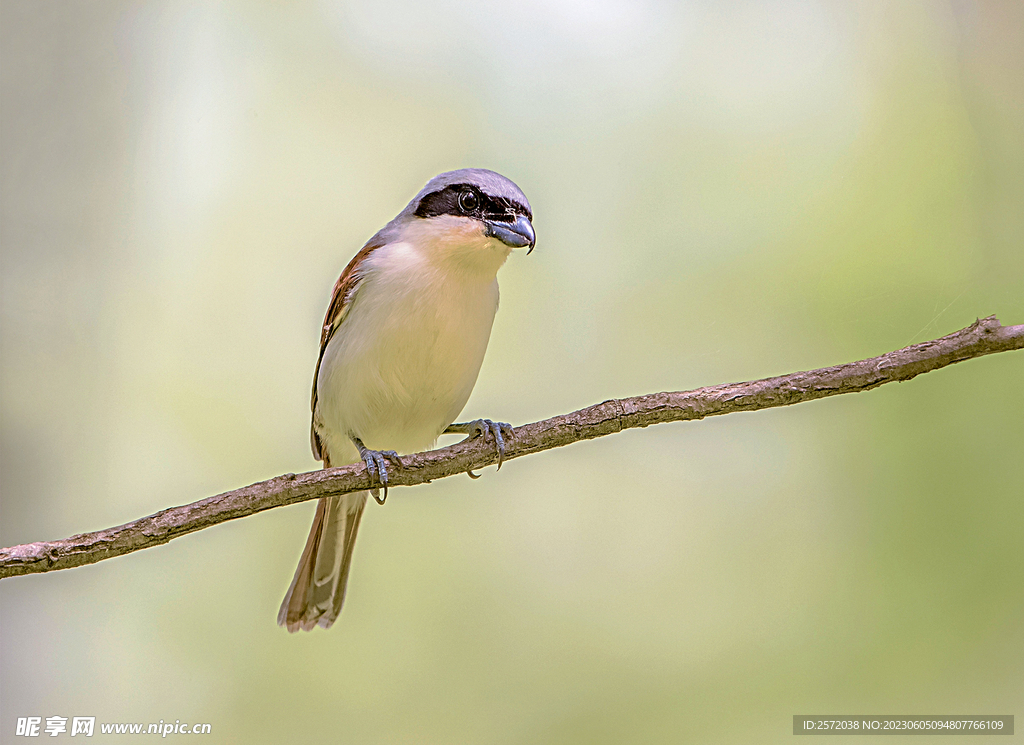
<point x="983" y="337"/>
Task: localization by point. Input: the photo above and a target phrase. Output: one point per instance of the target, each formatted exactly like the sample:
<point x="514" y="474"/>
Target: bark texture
<point x="985" y="336"/>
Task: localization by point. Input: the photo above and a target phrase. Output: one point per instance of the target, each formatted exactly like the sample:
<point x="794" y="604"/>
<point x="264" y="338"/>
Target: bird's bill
<point x="518" y="234"/>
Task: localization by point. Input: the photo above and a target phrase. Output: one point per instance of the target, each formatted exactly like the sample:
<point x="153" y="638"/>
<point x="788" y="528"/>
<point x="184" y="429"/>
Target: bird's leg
<point x="482" y="428"/>
<point x="376" y="464"/>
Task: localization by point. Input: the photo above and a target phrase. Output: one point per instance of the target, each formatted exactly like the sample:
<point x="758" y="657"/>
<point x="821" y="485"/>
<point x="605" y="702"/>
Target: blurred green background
<point x="723" y="191"/>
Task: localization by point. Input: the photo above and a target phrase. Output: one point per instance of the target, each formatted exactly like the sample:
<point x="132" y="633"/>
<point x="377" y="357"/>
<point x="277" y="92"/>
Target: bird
<point x="400" y="350"/>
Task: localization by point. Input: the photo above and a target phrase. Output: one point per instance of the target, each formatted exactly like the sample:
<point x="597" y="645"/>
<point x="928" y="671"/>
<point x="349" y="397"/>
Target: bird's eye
<point x="468" y="201"/>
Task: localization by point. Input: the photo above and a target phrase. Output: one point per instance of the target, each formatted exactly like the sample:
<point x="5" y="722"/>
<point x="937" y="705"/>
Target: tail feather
<point x="318" y="588"/>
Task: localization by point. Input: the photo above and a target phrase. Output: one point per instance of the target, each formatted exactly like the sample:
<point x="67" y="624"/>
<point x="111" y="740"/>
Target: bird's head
<point x="479" y="203"/>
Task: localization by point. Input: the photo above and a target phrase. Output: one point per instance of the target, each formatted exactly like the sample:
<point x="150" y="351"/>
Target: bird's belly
<point x="397" y="373"/>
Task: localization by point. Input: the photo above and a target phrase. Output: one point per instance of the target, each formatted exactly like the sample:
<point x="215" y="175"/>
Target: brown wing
<point x="341" y="301"/>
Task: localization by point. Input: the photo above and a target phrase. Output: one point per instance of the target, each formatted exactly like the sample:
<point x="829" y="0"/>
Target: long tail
<point x="318" y="589"/>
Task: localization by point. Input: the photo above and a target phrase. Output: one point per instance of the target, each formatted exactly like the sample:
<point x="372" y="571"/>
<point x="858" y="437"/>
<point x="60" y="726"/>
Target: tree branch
<point x="983" y="337"/>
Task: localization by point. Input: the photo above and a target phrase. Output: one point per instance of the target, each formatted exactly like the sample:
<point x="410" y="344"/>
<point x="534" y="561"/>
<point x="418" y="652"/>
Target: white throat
<point x="457" y="245"/>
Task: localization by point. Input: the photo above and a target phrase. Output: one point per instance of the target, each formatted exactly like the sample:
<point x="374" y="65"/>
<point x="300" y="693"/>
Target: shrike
<point x="400" y="351"/>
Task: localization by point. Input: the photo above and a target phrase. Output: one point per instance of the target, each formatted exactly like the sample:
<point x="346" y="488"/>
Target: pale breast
<point x="404" y="361"/>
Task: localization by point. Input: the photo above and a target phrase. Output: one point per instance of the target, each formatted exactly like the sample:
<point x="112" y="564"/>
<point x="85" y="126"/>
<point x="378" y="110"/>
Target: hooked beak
<point x="518" y="234"/>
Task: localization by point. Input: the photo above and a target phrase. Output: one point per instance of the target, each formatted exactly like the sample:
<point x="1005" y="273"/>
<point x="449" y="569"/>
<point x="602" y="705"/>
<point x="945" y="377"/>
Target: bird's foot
<point x="377" y="464"/>
<point x="499" y="431"/>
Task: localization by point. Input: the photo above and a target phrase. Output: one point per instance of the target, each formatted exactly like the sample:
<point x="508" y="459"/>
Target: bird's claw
<point x="500" y="431"/>
<point x="377" y="465"/>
